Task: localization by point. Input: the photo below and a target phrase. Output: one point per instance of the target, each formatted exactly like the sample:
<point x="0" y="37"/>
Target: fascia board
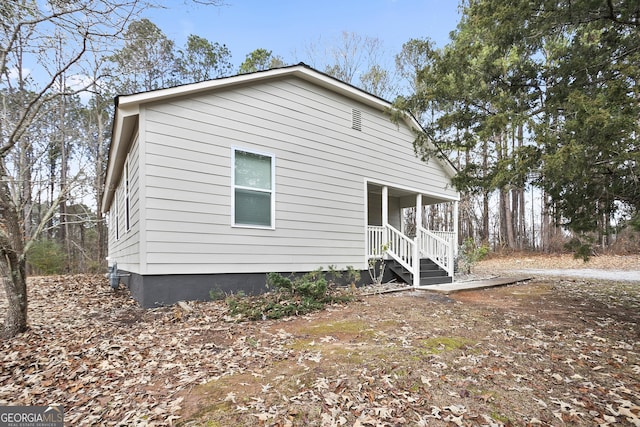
<point x="301" y="71"/>
<point x="124" y="122"/>
<point x="446" y="163"/>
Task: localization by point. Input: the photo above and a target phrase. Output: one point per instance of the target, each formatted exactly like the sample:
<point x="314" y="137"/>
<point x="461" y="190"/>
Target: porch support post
<point x="385" y="206"/>
<point x="418" y="211"/>
<point x="385" y="218"/>
<point x="455" y="227"/>
<point x="455" y="238"/>
<point x="417" y="243"/>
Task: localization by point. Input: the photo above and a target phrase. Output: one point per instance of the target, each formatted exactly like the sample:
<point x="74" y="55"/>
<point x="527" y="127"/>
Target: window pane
<point x="253" y="207"/>
<point x="253" y="170"/>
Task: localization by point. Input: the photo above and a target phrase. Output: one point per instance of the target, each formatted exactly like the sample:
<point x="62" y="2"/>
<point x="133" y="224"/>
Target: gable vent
<point x="356" y="119"/>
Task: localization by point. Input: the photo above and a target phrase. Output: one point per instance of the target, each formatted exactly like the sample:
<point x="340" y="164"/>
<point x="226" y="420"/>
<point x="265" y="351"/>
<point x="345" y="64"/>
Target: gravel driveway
<point x="586" y="273"/>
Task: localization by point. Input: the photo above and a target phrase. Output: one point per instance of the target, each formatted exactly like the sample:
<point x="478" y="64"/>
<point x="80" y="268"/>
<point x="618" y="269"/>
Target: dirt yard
<point x="548" y="352"/>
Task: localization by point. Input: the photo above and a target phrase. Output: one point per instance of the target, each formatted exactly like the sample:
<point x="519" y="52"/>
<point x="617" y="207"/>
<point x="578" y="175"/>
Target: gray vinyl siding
<point x="321" y="167"/>
<point x="126" y="250"/>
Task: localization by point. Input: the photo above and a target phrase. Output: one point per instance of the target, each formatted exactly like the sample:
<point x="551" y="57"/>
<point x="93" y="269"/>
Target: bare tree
<point x="30" y="26"/>
<point x="354" y="59"/>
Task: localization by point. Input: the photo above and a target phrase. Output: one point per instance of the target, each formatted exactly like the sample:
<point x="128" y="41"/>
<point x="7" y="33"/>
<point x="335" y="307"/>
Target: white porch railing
<point x="401" y="248"/>
<point x="438" y="247"/>
<point x="445" y="235"/>
<point x="388" y="241"/>
<point x="376" y="241"/>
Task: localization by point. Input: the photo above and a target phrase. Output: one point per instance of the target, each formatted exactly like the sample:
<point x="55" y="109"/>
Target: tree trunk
<point x="506" y="220"/>
<point x="65" y="239"/>
<point x="522" y="220"/>
<point x="515" y="217"/>
<point x="485" y="216"/>
<point x="100" y="155"/>
<point x="15" y="286"/>
<point x="544" y="222"/>
<point x="485" y="193"/>
<point x="12" y="261"/>
<point x="521" y="233"/>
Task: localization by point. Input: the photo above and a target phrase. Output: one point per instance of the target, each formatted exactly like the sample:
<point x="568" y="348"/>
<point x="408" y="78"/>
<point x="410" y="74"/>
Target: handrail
<point x="400" y="247"/>
<point x="436" y="248"/>
<point x="388" y="241"/>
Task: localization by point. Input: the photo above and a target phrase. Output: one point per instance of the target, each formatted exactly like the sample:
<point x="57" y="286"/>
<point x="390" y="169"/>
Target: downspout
<point x="113" y="276"/>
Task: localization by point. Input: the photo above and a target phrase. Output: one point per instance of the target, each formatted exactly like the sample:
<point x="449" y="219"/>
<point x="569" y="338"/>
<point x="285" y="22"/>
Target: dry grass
<point x="497" y="263"/>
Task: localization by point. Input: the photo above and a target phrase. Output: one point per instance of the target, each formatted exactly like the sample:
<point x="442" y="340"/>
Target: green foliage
<point x="538" y="87"/>
<point x="216" y="294"/>
<point x="352" y="275"/>
<point x="311" y="287"/>
<point x="46" y="257"/>
<point x="148" y="57"/>
<point x="334" y="274"/>
<point x="470" y="254"/>
<point x="202" y="60"/>
<point x="582" y="247"/>
<point x="288" y="297"/>
<point x="259" y="60"/>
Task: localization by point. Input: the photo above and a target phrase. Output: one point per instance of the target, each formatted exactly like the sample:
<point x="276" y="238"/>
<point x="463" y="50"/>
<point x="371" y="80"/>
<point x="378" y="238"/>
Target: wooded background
<point x="535" y="102"/>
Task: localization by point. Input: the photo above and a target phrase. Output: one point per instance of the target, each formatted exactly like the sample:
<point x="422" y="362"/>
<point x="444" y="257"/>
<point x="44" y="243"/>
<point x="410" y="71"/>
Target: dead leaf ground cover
<point x="557" y="261"/>
<point x="549" y="352"/>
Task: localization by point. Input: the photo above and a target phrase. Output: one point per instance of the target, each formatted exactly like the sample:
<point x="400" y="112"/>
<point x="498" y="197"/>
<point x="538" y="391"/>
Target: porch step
<point x="430" y="273"/>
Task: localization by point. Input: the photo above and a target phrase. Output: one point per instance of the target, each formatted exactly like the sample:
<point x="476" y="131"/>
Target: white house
<point x="213" y="184"/>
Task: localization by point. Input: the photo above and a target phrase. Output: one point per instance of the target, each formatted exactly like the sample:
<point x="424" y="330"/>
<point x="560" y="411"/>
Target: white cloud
<point x="80" y="82"/>
<point x="14" y="74"/>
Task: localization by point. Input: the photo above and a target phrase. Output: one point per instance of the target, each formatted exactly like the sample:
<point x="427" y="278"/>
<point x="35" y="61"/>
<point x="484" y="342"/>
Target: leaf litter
<point x="550" y="352"/>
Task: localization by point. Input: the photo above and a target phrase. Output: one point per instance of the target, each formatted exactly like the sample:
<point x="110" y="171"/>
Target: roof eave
<point x="124" y="124"/>
<point x="300" y="70"/>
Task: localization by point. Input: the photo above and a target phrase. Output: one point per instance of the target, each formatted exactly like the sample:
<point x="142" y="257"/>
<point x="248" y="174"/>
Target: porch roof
<point x="407" y="196"/>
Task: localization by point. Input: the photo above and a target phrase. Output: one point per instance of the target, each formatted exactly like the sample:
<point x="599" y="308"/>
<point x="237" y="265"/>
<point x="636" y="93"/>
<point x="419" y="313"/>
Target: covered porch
<point x="417" y="255"/>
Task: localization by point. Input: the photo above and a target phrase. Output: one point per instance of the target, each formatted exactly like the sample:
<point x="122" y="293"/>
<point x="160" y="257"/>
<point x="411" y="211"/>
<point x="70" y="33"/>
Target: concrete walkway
<point x="449" y="288"/>
<point x="524" y="275"/>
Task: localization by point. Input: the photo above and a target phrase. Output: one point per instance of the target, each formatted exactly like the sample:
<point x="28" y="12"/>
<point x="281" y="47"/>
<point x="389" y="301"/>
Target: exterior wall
<point x="321" y="166"/>
<point x="375" y="210"/>
<point x="126" y="250"/>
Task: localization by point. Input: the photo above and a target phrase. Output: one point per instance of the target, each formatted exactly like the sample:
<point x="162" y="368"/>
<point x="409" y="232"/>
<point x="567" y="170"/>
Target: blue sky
<point x="286" y="26"/>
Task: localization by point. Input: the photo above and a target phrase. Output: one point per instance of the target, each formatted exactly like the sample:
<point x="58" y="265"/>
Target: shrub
<point x="288" y="297"/>
<point x="216" y="294"/>
<point x="582" y="247"/>
<point x="470" y="254"/>
<point x="46" y="257"/>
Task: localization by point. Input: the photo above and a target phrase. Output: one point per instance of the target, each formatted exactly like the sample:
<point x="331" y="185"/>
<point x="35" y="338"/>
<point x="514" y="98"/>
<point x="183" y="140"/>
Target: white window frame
<point x="272" y="191"/>
<point x="116" y="213"/>
<point x="127" y="200"/>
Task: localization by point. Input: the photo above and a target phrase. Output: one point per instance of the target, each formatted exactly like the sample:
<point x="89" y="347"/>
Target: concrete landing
<point x="449" y="288"/>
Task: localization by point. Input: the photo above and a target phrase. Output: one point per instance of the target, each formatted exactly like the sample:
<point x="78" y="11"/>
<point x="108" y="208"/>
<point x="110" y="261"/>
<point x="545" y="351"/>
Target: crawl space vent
<point x="356" y="119"/>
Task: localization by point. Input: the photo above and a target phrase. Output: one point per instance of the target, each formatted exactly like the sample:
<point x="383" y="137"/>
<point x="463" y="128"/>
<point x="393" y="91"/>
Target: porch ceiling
<point x="407" y="197"/>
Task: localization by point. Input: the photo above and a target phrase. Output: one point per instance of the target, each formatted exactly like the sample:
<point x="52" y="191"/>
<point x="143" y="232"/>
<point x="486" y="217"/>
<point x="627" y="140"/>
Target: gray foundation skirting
<point x="162" y="290"/>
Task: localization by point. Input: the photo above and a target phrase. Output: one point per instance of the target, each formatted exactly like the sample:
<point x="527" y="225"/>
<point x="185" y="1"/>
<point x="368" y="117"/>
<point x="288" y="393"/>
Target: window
<point x="116" y="214"/>
<point x="253" y="177"/>
<point x="127" y="213"/>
